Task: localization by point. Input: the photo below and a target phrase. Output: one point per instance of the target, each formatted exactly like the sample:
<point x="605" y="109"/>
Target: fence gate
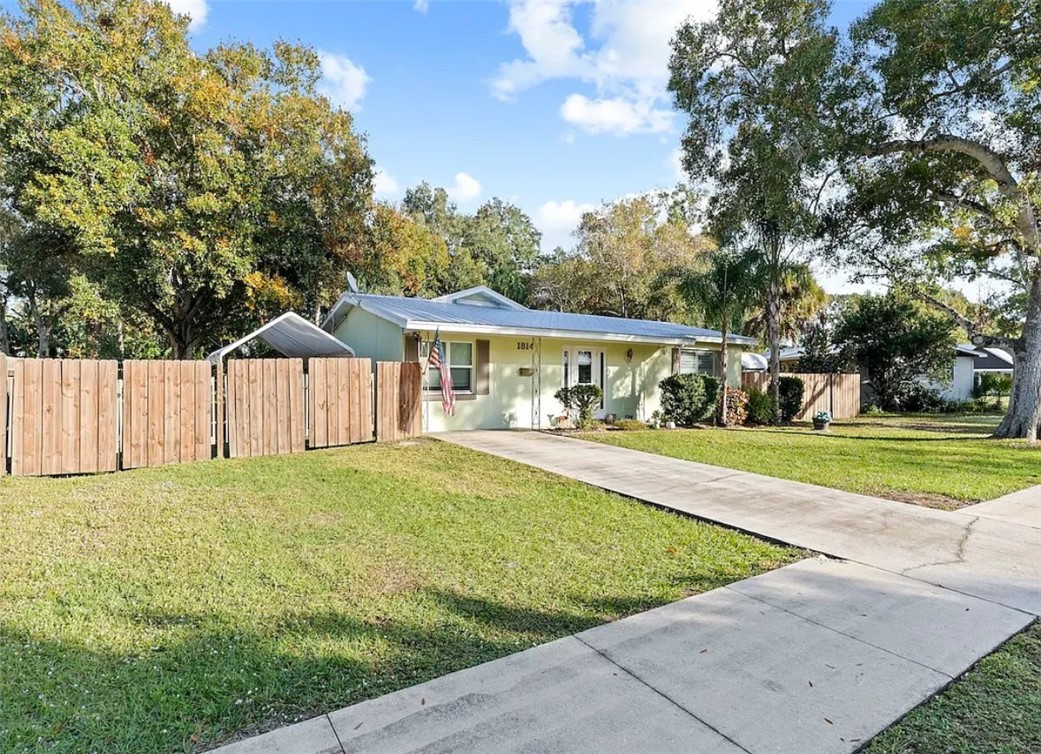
<point x="64" y="416"/>
<point x="399" y="398"/>
<point x="339" y="401"/>
<point x="265" y="407"/>
<point x="167" y="412"/>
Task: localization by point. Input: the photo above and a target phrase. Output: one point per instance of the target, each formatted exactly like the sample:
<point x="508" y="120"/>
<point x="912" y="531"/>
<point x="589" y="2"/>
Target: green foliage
<point x="736" y="407"/>
<point x="897" y="342"/>
<point x="760" y="407"/>
<point x="174" y="180"/>
<point x="687" y="398"/>
<point x="623" y="248"/>
<point x="790" y="390"/>
<point x="992" y="385"/>
<point x="938" y="126"/>
<point x="580" y="401"/>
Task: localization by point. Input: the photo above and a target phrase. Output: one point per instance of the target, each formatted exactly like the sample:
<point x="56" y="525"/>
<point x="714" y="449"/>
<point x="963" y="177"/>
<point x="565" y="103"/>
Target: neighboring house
<point x="958" y="384"/>
<point x="507" y="361"/>
<point x="993" y="361"/>
<point x="967" y="363"/>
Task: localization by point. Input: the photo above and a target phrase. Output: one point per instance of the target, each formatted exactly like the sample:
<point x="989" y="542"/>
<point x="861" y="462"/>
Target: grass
<point x="942" y="461"/>
<point x="994" y="709"/>
<point x="173" y="609"/>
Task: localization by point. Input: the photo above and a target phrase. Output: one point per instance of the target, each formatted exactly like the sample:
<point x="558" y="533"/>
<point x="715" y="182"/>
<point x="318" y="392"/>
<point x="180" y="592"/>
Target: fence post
<point x="218" y="409"/>
<point x="3" y="414"/>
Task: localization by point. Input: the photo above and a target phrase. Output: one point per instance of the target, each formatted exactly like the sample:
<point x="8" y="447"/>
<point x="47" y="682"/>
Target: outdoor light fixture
<point x="629" y="356"/>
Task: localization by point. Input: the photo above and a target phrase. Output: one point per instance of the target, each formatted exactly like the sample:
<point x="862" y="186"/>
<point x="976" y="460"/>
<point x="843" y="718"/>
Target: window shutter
<point x="411" y="348"/>
<point x="482" y="383"/>
<point x="675" y="361"/>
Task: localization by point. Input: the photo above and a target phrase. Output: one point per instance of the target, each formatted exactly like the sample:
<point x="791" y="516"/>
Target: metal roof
<point x="426" y="314"/>
<point x="291" y="335"/>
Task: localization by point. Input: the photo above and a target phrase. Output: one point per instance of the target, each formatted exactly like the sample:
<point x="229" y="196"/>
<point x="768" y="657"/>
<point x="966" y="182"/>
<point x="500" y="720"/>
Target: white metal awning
<point x="754" y="362"/>
<point x="291" y="335"/>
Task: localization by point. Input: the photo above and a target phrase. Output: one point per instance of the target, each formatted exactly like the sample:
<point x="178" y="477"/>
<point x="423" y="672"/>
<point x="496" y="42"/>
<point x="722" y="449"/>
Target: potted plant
<point x="821" y="421"/>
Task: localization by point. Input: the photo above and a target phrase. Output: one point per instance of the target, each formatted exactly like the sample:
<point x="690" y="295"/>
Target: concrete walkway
<point x="818" y="656"/>
<point x="1023" y="508"/>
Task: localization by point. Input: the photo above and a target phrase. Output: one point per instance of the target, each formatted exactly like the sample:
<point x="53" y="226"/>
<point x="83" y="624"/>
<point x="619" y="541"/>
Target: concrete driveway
<point x="818" y="656"/>
<point x="978" y="553"/>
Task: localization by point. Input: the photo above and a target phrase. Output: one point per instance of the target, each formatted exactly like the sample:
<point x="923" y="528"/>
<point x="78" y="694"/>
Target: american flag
<point x="437" y="360"/>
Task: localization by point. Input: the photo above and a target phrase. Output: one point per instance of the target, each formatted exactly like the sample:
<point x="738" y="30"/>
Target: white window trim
<point x="697" y="352"/>
<point x="424" y="353"/>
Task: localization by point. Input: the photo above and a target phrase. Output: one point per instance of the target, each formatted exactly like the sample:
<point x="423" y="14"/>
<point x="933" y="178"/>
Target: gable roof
<point x="291" y="335"/>
<point x="510" y="318"/>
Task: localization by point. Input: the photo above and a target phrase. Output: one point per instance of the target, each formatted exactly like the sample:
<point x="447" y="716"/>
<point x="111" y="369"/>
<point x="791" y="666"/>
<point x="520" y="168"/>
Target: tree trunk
<point x="1023" y="418"/>
<point x="724" y="362"/>
<point x="773" y="336"/>
<point x="5" y="338"/>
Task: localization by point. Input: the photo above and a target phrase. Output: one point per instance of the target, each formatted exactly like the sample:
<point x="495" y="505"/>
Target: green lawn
<point x="174" y="609"/>
<point x="994" y="709"/>
<point x="940" y="461"/>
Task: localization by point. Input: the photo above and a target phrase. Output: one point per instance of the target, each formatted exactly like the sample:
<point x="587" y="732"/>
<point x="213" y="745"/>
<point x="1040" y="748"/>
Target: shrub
<point x="687" y="398"/>
<point x="580" y="401"/>
<point x="790" y="391"/>
<point x="919" y="399"/>
<point x="737" y="405"/>
<point x="760" y="407"/>
<point x="629" y="425"/>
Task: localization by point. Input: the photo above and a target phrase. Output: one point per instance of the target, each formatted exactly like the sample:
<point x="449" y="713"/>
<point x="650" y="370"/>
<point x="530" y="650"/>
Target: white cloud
<point x="625" y="57"/>
<point x="384" y="184"/>
<point x="421" y="6"/>
<point x="616" y="115"/>
<point x="343" y="82"/>
<point x="465" y="188"/>
<point x="558" y="220"/>
<point x="196" y="10"/>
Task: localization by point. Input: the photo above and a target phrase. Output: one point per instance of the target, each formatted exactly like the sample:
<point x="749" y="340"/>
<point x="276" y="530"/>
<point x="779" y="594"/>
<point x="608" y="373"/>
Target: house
<point x="993" y="361"/>
<point x="507" y="361"/>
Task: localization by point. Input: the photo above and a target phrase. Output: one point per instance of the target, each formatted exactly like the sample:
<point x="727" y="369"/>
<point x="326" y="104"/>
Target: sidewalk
<point x="818" y="656"/>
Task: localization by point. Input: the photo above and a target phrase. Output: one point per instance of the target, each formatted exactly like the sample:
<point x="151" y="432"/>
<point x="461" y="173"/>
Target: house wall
<point x="631" y="388"/>
<point x="371" y="337"/>
<point x="960" y="384"/>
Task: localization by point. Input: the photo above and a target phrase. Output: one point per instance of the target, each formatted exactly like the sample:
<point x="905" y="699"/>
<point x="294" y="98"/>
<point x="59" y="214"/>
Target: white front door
<point x="586" y="365"/>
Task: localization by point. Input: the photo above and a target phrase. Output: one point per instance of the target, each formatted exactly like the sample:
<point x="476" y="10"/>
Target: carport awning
<point x="291" y="335"/>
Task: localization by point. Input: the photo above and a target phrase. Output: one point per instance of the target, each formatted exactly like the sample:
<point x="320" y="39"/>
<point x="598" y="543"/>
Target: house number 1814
<point x="525" y="345"/>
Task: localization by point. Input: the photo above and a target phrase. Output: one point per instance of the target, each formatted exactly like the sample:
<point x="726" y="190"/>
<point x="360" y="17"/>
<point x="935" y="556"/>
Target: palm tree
<point x="723" y="293"/>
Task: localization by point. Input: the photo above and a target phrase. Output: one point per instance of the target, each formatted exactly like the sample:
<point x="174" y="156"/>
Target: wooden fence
<point x="265" y="407"/>
<point x="838" y="394"/>
<point x="80" y="416"/>
<point x="340" y="401"/>
<point x="399" y="402"/>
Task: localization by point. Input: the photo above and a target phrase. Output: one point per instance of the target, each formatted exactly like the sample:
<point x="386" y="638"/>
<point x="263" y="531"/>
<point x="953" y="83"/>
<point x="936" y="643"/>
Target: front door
<point x="586" y="365"/>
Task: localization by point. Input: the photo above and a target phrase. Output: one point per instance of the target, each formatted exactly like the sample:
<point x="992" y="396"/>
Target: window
<point x="698" y="362"/>
<point x="459" y="357"/>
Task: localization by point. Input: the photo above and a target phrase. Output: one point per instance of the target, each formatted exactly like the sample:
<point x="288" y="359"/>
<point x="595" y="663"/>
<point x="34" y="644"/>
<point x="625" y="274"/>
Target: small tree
<point x="791" y="390"/>
<point x="897" y="342"/>
<point x="580" y="402"/>
<point x="687" y="398"/>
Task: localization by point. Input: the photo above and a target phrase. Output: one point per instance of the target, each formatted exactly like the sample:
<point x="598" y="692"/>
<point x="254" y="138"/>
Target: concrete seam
<point x="662" y="694"/>
<point x="837" y="631"/>
<point x="339" y="743"/>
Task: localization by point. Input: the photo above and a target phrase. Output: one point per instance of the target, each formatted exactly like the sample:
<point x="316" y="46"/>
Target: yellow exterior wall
<point x="631" y="388"/>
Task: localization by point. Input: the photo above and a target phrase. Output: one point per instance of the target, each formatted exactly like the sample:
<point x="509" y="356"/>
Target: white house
<point x="507" y="361"/>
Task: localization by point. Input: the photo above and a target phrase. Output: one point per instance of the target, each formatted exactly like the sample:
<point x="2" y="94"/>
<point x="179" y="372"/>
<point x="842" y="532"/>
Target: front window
<point x="459" y="358"/>
<point x="698" y="362"/>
